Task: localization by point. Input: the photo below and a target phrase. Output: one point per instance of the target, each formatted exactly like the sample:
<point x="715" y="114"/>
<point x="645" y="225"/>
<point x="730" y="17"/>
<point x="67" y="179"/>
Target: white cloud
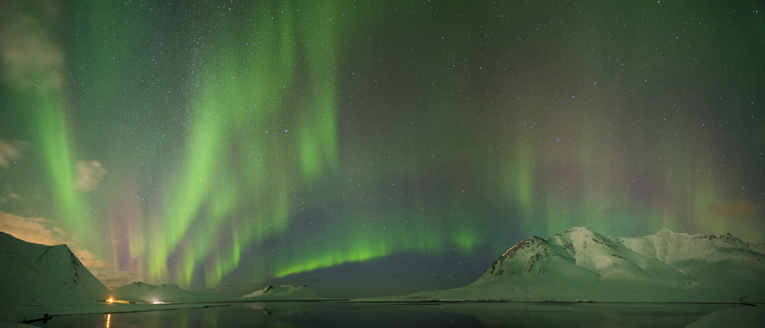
<point x="10" y="151"/>
<point x="29" y="57"/>
<point x="33" y="230"/>
<point x="105" y="271"/>
<point x="89" y="175"/>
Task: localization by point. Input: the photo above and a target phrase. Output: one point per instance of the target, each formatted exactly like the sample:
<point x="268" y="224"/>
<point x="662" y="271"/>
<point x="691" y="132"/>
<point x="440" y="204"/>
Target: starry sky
<point x="373" y="148"/>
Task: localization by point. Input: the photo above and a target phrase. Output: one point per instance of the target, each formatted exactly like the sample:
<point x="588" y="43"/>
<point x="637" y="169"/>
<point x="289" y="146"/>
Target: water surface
<point x="344" y="314"/>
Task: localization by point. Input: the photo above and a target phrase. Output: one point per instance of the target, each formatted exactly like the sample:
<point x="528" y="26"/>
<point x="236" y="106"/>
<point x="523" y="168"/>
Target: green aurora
<point x="249" y="142"/>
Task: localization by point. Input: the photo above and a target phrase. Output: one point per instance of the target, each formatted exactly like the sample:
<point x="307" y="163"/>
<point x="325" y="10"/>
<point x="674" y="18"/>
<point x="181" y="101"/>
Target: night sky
<point x="371" y="148"/>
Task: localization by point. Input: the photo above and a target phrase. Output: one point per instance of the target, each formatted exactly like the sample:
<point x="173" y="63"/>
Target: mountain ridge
<point x="283" y="292"/>
<point x="581" y="264"/>
<point x="34" y="273"/>
<point x="143" y="292"/>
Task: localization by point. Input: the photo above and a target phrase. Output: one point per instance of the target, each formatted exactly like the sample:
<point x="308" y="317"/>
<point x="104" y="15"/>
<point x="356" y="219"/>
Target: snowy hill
<point x="285" y="292"/>
<point x="758" y="247"/>
<point x="35" y="274"/>
<point x="582" y="265"/>
<point x="143" y="292"/>
<point x="693" y="254"/>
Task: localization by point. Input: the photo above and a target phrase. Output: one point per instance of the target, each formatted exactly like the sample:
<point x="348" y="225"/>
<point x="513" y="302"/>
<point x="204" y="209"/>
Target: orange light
<point x="110" y="300"/>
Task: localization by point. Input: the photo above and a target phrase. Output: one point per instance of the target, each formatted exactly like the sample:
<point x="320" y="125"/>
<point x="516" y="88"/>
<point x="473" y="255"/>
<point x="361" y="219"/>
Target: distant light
<point x="156" y="302"/>
<point x="110" y="300"/>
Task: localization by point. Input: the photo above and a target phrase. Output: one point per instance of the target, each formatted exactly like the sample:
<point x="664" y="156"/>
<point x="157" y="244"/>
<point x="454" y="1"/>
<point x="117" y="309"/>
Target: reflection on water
<point x="335" y="314"/>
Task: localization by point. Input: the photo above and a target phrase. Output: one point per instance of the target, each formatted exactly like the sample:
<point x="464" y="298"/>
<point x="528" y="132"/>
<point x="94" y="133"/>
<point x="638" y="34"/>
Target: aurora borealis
<point x="383" y="144"/>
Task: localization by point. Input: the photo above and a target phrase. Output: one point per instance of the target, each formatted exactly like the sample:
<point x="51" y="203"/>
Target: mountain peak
<point x="581" y="264"/>
<point x="524" y="244"/>
<point x="143" y="285"/>
<point x="529" y="255"/>
<point x="284" y="292"/>
<point x="665" y="232"/>
<point x="142" y="292"/>
<point x="34" y="272"/>
<point x="582" y="233"/>
<point x="580" y="229"/>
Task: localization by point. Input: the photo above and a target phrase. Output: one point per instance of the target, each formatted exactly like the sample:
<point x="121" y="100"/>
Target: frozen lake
<point x="336" y="314"/>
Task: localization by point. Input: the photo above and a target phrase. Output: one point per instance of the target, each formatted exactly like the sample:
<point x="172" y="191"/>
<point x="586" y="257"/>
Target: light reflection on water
<point x="336" y="314"/>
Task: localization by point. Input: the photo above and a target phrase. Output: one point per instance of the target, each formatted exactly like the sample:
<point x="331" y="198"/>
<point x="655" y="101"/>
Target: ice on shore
<point x="740" y="317"/>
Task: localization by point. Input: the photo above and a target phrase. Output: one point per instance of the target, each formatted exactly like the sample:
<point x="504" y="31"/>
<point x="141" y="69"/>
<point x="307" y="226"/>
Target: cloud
<point x="36" y="230"/>
<point x="10" y="151"/>
<point x="113" y="278"/>
<point x="89" y="259"/>
<point x="730" y="209"/>
<point x="32" y="230"/>
<point x="89" y="175"/>
<point x="29" y="58"/>
<point x="105" y="271"/>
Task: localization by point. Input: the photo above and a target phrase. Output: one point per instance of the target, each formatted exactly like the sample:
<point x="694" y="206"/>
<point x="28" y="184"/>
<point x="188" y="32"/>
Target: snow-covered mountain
<point x="143" y="292"/>
<point x="694" y="254"/>
<point x="35" y="274"/>
<point x="284" y="292"/>
<point x="583" y="265"/>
